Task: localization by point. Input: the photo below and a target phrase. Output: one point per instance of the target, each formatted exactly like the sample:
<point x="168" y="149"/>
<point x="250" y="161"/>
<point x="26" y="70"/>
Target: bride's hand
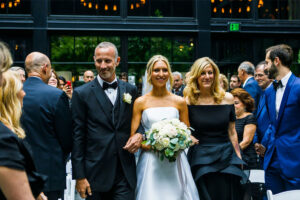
<point x="194" y="140"/>
<point x="146" y="147"/>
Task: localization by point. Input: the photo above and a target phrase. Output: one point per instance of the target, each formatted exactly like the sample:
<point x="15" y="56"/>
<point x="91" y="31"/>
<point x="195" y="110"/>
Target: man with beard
<point x="282" y="158"/>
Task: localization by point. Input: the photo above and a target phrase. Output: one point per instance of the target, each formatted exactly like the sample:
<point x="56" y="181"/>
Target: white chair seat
<point x="288" y="195"/>
<point x="257" y="176"/>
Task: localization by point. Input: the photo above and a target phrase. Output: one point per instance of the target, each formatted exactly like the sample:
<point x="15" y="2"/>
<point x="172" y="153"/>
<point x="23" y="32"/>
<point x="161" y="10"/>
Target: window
<point x="86" y="7"/>
<point x="14" y="6"/>
<point x="279" y="9"/>
<point x="161" y="8"/>
<point x="231" y="8"/>
<point x="178" y="50"/>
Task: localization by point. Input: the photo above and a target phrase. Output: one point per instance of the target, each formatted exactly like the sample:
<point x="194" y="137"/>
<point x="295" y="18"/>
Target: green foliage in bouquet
<point x="168" y="138"/>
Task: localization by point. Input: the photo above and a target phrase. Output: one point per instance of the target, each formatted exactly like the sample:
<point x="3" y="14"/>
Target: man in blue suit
<point x="47" y="122"/>
<point x="262" y="118"/>
<point x="282" y="158"/>
<point x="246" y="73"/>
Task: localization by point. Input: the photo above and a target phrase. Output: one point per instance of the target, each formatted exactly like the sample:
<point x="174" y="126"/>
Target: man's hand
<point x="194" y="140"/>
<point x="134" y="143"/>
<point x="83" y="187"/>
<point x="260" y="149"/>
<point x="42" y="197"/>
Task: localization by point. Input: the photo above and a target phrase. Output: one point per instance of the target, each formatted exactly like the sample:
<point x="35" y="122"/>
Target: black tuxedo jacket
<point x="101" y="130"/>
<point x="47" y="122"/>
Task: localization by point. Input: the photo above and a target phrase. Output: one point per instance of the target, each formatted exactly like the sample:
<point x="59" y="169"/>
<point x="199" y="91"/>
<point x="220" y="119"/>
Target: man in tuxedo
<point x="282" y="158"/>
<point x="246" y="73"/>
<point x="178" y="86"/>
<point x="101" y="112"/>
<point x="262" y="118"/>
<point x="47" y="122"/>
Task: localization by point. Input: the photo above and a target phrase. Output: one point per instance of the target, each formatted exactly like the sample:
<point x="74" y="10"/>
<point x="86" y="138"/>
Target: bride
<point x="156" y="179"/>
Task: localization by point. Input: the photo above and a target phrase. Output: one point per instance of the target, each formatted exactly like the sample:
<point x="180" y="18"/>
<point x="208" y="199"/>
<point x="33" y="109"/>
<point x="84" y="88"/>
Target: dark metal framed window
<point x="15" y="6"/>
<point x="85" y="7"/>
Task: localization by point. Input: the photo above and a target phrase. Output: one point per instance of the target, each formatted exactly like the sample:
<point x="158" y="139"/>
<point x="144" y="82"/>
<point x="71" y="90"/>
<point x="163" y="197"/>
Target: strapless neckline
<point x="160" y="107"/>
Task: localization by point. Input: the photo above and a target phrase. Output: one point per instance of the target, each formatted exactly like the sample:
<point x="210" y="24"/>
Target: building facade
<point x="228" y="31"/>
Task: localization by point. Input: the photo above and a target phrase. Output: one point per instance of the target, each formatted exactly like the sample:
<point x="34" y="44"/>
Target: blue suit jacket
<point x="47" y="122"/>
<point x="263" y="122"/>
<point x="254" y="90"/>
<point x="285" y="130"/>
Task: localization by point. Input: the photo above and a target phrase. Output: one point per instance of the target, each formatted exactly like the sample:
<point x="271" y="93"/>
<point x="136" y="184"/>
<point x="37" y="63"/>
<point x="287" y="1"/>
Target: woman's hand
<point x="146" y="147"/>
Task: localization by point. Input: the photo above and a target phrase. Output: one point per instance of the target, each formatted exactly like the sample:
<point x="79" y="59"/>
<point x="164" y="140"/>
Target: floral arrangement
<point x="168" y="137"/>
<point x="127" y="98"/>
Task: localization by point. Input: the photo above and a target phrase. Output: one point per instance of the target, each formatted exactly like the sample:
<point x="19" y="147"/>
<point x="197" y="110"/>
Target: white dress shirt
<point x="110" y="92"/>
<point x="280" y="91"/>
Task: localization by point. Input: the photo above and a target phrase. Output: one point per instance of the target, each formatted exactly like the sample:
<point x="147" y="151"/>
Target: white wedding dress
<point x="163" y="180"/>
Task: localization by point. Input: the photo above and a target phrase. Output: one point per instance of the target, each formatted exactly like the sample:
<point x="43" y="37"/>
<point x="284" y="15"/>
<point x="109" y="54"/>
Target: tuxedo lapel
<point x="102" y="99"/>
<point x="284" y="99"/>
<point x="122" y="90"/>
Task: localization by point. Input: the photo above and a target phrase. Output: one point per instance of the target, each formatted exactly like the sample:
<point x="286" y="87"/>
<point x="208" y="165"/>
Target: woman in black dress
<point x="245" y="126"/>
<point x="18" y="179"/>
<point x="216" y="160"/>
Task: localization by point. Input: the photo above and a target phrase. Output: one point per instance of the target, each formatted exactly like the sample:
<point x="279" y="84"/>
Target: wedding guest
<point x="46" y="118"/>
<point x="18" y="176"/>
<point x="215" y="161"/>
<point x="223" y="82"/>
<point x="178" y="85"/>
<point x="20" y="71"/>
<point x="54" y="81"/>
<point x="245" y="126"/>
<point x="234" y="82"/>
<point x="88" y="76"/>
<point x="123" y="76"/>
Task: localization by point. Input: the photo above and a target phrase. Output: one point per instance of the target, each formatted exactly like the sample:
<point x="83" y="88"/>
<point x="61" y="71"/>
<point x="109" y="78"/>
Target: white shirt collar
<point x="100" y="80"/>
<point x="285" y="79"/>
<point x="247" y="80"/>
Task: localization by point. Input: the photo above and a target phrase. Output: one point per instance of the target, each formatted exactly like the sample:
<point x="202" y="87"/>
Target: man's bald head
<point x="38" y="64"/>
<point x="88" y="76"/>
<point x="35" y="60"/>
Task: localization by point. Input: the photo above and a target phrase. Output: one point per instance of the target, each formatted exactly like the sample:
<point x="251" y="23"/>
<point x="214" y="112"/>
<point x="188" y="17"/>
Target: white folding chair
<point x="257" y="176"/>
<point x="287" y="195"/>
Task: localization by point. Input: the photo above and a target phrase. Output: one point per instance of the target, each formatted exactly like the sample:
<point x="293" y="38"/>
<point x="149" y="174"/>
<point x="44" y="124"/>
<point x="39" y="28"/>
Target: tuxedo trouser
<point x="121" y="189"/>
<point x="275" y="179"/>
<point x="55" y="195"/>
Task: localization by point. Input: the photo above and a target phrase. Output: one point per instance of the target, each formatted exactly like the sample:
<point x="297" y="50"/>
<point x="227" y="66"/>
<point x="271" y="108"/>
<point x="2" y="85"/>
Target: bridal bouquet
<point x="168" y="137"/>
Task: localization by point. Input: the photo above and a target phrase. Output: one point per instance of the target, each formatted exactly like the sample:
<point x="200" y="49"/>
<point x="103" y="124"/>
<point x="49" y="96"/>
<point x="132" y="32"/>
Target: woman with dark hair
<point x="54" y="81"/>
<point x="245" y="126"/>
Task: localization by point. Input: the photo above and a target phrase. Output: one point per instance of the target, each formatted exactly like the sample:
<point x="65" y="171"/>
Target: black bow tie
<point x="113" y="85"/>
<point x="277" y="84"/>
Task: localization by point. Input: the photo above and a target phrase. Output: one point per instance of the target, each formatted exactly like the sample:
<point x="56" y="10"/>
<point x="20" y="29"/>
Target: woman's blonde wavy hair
<point x="192" y="91"/>
<point x="10" y="105"/>
<point x="5" y="58"/>
<point x="151" y="64"/>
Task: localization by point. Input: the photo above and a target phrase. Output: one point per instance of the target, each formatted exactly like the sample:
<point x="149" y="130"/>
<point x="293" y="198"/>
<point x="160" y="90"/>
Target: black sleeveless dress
<point x="214" y="163"/>
<point x="248" y="154"/>
<point x="15" y="154"/>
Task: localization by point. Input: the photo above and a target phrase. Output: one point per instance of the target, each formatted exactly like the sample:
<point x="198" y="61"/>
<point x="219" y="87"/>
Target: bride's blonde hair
<point x="151" y="64"/>
<point x="10" y="105"/>
<point x="192" y="91"/>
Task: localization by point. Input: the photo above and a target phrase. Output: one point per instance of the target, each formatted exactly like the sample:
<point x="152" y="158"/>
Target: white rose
<point x="165" y="142"/>
<point x="169" y="131"/>
<point x="158" y="146"/>
<point x="127" y="98"/>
